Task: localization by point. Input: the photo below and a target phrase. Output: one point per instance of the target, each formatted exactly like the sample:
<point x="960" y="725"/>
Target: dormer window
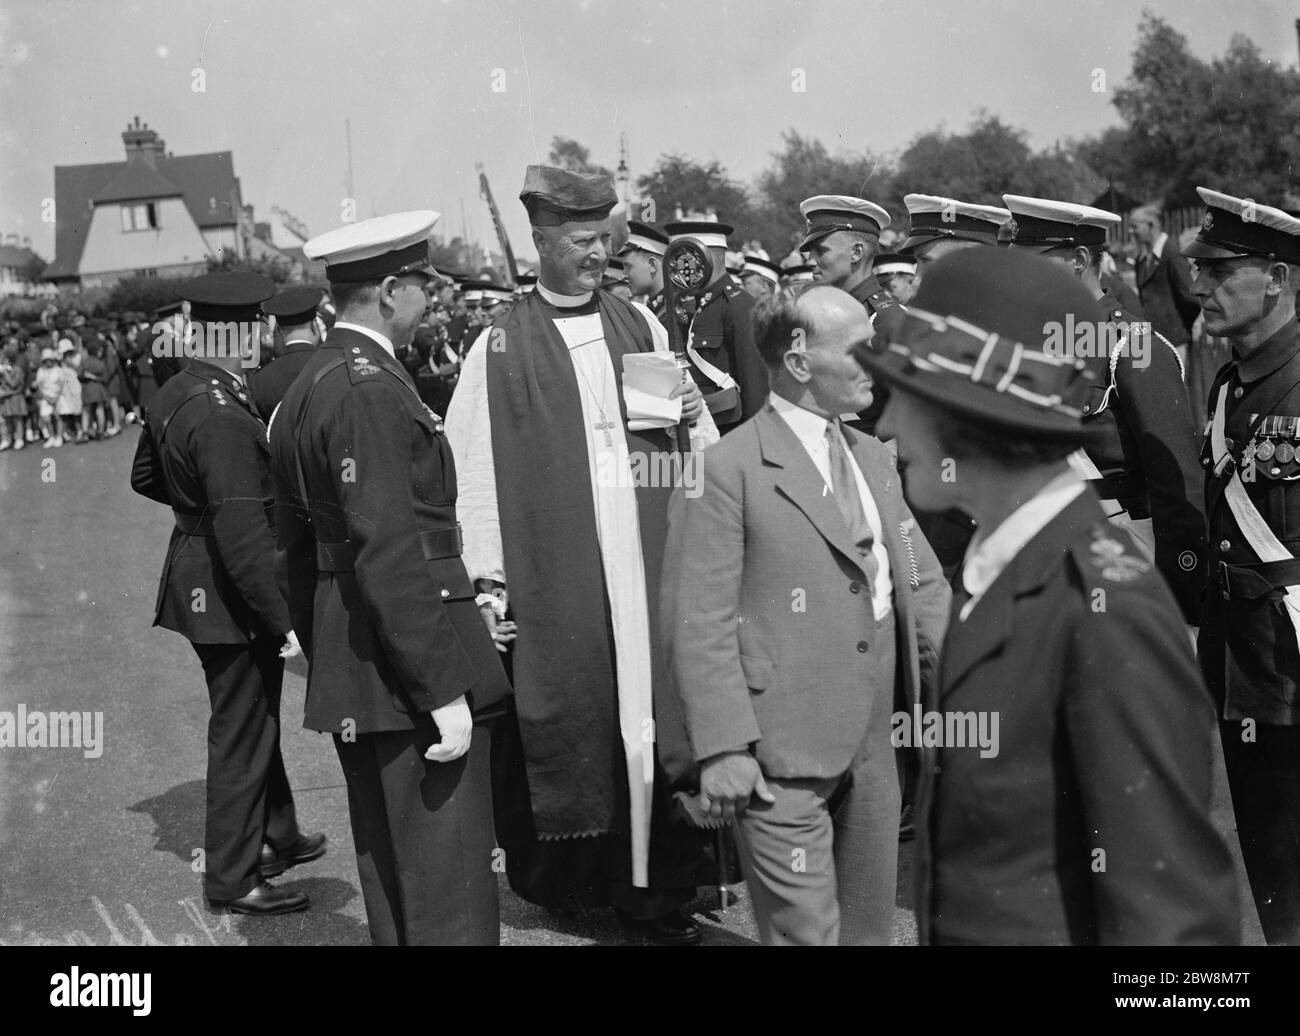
<point x="140" y="216"/>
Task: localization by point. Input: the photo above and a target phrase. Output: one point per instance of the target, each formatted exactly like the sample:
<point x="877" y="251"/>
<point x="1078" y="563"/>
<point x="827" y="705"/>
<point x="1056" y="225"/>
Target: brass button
<point x="446" y="594"/>
<point x="1087" y="409"/>
<point x="855" y="587"/>
<point x="1225" y="545"/>
<point x="1238" y="392"/>
<point x="862" y="646"/>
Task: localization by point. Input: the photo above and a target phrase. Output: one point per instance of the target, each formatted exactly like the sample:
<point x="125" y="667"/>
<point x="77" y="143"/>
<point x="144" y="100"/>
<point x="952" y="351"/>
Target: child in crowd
<point x="49" y="390"/>
<point x="94" y="394"/>
<point x="13" y="396"/>
<point x="69" y="402"/>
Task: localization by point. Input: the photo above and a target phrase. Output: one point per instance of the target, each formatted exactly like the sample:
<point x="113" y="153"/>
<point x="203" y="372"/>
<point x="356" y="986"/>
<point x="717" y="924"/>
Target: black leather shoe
<point x="906" y="827"/>
<point x="675" y="929"/>
<point x="265" y="900"/>
<point x="305" y="849"/>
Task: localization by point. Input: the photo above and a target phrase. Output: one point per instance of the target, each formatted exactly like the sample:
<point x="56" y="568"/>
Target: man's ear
<point x="654" y="267"/>
<point x="796" y="364"/>
<point x="387" y="289"/>
<point x="1081" y="258"/>
<point x="540" y="242"/>
<point x="1282" y="277"/>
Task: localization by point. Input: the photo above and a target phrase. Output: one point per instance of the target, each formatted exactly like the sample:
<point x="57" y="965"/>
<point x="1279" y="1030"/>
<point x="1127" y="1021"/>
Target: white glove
<point x="291" y="648"/>
<point x="456" y="726"/>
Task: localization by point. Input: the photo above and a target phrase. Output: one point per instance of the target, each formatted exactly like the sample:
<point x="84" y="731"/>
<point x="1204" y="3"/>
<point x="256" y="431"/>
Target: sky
<point x="433" y="86"/>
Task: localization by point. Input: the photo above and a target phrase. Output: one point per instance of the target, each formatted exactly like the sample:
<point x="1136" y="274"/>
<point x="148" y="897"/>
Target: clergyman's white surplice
<point x="469" y="430"/>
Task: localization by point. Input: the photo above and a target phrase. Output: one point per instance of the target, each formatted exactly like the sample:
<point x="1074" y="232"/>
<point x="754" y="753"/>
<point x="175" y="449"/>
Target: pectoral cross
<point x="604" y="425"/>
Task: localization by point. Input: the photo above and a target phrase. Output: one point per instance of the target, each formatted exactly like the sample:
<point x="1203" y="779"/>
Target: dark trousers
<point x="248" y="796"/>
<point x="821" y="861"/>
<point x="1264" y="776"/>
<point x="424" y="838"/>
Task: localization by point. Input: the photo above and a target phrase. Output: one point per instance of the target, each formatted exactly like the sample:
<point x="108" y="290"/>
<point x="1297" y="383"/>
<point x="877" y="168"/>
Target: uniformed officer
<point x="896" y="272"/>
<point x="1247" y="271"/>
<point x="402" y="663"/>
<point x="1067" y="758"/>
<point x="202" y="452"/>
<point x="643" y="261"/>
<point x="614" y="279"/>
<point x="1143" y="447"/>
<point x="525" y="283"/>
<point x="802" y="273"/>
<point x="720" y="348"/>
<point x="939" y="226"/>
<point x="761" y="277"/>
<point x="840" y="240"/>
<point x="296" y="314"/>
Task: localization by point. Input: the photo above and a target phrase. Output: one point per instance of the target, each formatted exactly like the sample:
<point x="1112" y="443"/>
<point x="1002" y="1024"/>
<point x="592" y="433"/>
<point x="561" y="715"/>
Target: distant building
<point x="154" y="214"/>
<point x="20" y="268"/>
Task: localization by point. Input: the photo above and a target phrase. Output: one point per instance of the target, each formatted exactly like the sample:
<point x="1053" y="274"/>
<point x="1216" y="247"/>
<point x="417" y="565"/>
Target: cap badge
<point x="1209" y="222"/>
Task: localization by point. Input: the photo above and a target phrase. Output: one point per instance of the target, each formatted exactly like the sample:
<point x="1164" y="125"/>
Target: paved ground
<point x="101" y="850"/>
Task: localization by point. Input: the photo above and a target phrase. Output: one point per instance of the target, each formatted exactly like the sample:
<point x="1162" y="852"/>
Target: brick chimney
<point x="142" y="143"/>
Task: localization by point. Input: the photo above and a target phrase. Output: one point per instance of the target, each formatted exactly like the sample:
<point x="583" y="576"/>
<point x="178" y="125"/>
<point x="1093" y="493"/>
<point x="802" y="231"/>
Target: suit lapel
<point x="800" y="482"/>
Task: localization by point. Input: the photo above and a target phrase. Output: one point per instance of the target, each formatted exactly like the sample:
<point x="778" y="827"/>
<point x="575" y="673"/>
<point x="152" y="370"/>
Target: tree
<point x="978" y="166"/>
<point x="276" y="269"/>
<point x="804" y="168"/>
<point x="1229" y="123"/>
<point x="992" y="159"/>
<point x="680" y="182"/>
<point x="569" y="154"/>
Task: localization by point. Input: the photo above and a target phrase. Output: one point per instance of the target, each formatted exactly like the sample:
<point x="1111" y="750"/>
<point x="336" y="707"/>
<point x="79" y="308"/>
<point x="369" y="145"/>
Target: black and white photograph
<point x="651" y="474"/>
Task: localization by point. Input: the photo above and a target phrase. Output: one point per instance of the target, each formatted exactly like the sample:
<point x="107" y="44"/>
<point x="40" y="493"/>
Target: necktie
<point x="844" y="487"/>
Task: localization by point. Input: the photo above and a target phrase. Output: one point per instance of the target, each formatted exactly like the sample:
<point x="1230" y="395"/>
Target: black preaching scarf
<point x="564" y="671"/>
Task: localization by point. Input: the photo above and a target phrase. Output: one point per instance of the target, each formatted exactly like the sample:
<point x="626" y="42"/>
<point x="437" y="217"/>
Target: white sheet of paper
<point x="648" y="380"/>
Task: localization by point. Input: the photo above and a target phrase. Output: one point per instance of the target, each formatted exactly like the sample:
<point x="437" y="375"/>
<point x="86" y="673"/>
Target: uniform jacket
<point x="765" y="607"/>
<point x="203" y="453"/>
<point x="872" y="295"/>
<point x="1104" y="746"/>
<point x="269" y="384"/>
<point x="392" y="629"/>
<point x="1248" y="645"/>
<point x="722" y="334"/>
<point x="1165" y="287"/>
<point x="1145" y="446"/>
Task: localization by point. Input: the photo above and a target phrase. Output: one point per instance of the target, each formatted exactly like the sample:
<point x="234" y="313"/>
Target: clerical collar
<point x="383" y="342"/>
<point x="558" y="300"/>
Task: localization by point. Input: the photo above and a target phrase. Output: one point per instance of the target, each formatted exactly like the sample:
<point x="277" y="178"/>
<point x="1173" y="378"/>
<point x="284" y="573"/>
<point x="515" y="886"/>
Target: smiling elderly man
<point x="556" y="525"/>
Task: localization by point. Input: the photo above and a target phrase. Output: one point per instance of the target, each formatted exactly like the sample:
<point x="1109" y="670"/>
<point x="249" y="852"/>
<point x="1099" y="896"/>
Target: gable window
<point x="140" y="216"/>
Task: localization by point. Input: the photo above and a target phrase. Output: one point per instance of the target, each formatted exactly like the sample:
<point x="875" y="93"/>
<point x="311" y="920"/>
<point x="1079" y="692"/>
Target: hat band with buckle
<point x="996" y="366"/>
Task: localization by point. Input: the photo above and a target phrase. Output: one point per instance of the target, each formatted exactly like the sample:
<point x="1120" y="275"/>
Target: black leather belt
<point x="1254" y="581"/>
<point x="436" y="543"/>
<point x="193" y="523"/>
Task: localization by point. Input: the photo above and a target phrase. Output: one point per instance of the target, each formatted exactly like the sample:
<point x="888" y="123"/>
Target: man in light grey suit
<point x="801" y="606"/>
